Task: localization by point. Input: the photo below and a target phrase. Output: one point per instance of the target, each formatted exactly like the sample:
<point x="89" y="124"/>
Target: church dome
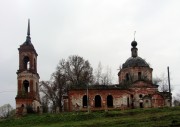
<point x="135" y="62"/>
<point x="134" y="43"/>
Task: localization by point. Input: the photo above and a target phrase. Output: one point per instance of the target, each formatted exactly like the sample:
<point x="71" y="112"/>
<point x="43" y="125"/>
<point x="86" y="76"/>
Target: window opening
<point x="85" y="101"/>
<point x="109" y="101"/>
<point x="140" y="96"/>
<point x="127" y="77"/>
<point x="139" y="75"/>
<point x="26" y="86"/>
<point x="141" y="104"/>
<point x="26" y="63"/>
<point x="34" y="64"/>
<point x="128" y="101"/>
<point x="97" y="101"/>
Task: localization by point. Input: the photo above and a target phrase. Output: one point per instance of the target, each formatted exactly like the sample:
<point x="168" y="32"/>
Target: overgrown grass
<point x="157" y="117"/>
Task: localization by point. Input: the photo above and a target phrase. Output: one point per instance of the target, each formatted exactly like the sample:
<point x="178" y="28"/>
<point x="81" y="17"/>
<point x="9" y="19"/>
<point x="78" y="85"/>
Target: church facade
<point x="135" y="89"/>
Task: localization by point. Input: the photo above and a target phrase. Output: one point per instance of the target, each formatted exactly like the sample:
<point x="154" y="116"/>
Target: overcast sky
<point x="97" y="30"/>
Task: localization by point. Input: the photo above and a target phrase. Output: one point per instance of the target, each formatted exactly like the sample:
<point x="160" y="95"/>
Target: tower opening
<point x="26" y="86"/>
<point x="139" y="75"/>
<point x="127" y="77"/>
<point x="97" y="101"/>
<point x="34" y="64"/>
<point x="37" y="90"/>
<point x="26" y="63"/>
<point x="109" y="101"/>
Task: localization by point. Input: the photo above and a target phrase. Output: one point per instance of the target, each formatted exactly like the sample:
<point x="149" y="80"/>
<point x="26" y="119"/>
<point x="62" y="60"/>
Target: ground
<point x="157" y="117"/>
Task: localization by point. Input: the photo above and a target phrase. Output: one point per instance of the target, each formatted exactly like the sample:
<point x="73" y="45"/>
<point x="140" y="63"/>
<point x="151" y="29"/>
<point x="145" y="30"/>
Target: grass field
<point x="157" y="117"/>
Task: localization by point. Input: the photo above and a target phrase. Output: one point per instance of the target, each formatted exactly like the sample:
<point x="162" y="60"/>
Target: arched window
<point x="97" y="101"/>
<point x="22" y="105"/>
<point x="141" y="104"/>
<point x="35" y="64"/>
<point x="127" y="101"/>
<point x="141" y="101"/>
<point x="84" y="101"/>
<point x="109" y="101"/>
<point x="26" y="63"/>
<point x="139" y="75"/>
<point x="37" y="89"/>
<point x="26" y="86"/>
<point x="127" y="77"/>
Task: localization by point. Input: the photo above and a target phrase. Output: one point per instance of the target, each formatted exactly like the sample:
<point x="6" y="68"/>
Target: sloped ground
<point x="157" y="117"/>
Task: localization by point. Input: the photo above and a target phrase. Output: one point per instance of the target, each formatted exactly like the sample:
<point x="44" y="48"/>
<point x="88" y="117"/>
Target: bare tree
<point x="107" y="77"/>
<point x="98" y="74"/>
<point x="54" y="89"/>
<point x="78" y="71"/>
<point x="177" y="100"/>
<point x="162" y="81"/>
<point x="103" y="76"/>
<point x="156" y="81"/>
<point x="49" y="90"/>
<point x="75" y="71"/>
<point x="45" y="103"/>
<point x="59" y="79"/>
<point x="163" y="85"/>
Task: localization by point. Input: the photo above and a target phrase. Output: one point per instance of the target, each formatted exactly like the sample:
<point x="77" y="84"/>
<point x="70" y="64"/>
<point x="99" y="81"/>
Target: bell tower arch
<point x="27" y="77"/>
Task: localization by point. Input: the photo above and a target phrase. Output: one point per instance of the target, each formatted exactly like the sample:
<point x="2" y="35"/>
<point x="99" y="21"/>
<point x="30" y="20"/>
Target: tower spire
<point x="28" y="30"/>
<point x="28" y="38"/>
<point x="134" y="35"/>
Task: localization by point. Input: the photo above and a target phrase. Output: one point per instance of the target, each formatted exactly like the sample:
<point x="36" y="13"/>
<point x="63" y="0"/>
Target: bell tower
<point x="27" y="98"/>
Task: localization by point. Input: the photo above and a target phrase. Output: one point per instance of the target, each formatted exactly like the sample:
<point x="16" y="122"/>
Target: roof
<point x="135" y="62"/>
<point x="98" y="87"/>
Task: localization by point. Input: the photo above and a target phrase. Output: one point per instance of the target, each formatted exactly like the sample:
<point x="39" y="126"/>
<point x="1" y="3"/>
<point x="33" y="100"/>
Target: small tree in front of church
<point x="6" y="110"/>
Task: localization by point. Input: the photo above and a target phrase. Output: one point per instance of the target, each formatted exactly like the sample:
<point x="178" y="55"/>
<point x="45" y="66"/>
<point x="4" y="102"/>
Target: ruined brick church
<point x="135" y="88"/>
